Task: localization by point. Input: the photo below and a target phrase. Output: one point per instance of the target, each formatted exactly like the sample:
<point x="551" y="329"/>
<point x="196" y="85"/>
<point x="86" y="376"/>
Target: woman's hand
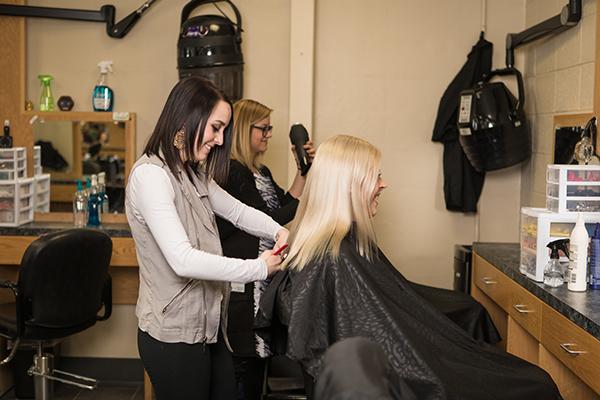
<point x="281" y="238"/>
<point x="310" y="152"/>
<point x="273" y="262"/>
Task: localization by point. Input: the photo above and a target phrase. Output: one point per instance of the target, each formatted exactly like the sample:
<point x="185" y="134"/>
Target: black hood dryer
<point x="494" y="132"/>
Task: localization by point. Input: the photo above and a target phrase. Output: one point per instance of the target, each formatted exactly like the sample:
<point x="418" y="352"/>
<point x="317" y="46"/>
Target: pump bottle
<point x="577" y="279"/>
<point x="103" y="96"/>
<point x="6" y="141"/>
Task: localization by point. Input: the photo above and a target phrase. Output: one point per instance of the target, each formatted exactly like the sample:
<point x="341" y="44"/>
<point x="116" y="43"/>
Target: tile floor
<point x="107" y="391"/>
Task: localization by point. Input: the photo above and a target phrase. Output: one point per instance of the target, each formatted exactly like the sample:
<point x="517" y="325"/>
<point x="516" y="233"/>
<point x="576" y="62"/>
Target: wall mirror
<point x="76" y="145"/>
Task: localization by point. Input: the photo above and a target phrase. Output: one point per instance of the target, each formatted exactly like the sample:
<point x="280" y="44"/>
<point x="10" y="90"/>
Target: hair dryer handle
<point x="299" y="137"/>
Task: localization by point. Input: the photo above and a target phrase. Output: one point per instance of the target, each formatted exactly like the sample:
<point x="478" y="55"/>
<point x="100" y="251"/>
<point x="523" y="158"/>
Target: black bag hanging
<point x="494" y="133"/>
<point x="210" y="46"/>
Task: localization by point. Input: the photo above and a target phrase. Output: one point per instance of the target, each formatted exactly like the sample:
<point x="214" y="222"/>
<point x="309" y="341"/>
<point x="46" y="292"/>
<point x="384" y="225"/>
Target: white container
<point x="573" y="188"/>
<point x="16" y="202"/>
<point x="578" y="251"/>
<point x="13" y="163"/>
<point x="540" y="227"/>
<point x="42" y="192"/>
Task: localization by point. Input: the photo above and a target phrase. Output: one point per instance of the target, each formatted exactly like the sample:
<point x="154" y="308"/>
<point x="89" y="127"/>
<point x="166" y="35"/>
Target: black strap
<point x="189" y="7"/>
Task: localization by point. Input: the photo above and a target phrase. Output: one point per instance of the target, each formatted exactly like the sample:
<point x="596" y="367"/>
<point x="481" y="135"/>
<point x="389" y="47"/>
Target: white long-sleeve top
<point x="151" y="198"/>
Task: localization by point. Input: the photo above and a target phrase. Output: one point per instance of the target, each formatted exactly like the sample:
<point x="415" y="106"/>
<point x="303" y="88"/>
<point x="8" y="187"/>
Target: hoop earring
<point x="179" y="140"/>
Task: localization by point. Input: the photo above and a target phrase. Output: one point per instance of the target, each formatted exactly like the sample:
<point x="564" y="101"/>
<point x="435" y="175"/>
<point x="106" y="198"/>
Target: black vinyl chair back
<point x="64" y="282"/>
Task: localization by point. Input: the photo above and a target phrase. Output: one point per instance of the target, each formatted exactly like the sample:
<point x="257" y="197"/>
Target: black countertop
<point x="582" y="308"/>
<point x="40" y="228"/>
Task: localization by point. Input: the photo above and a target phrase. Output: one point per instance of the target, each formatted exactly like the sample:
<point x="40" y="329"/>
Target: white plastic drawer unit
<point x="573" y="188"/>
<point x="13" y="163"/>
<point x="17" y="199"/>
<point x="540" y="227"/>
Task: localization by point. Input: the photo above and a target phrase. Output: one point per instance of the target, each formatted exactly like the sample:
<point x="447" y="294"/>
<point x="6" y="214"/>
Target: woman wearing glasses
<point x="252" y="183"/>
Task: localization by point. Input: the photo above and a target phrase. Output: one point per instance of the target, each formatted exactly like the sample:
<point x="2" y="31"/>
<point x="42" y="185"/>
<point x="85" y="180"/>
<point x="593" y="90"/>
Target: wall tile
<point x="568" y="47"/>
<point x="588" y="7"/>
<point x="540" y="164"/>
<point x="588" y="38"/>
<point x="538" y="200"/>
<point x="544" y="135"/>
<point x="586" y="96"/>
<point x="544" y="92"/>
<point x="567" y="89"/>
<point x="545" y="55"/>
<point x="530" y="96"/>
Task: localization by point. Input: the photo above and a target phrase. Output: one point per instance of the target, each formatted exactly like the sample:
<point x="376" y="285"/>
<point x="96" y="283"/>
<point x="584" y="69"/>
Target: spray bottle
<point x="103" y="97"/>
<point x="553" y="273"/>
<point x="578" y="249"/>
<point x="46" y="98"/>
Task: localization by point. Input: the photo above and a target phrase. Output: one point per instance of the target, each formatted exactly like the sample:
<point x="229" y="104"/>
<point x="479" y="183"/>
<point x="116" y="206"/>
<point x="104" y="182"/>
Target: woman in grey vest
<point x="172" y="199"/>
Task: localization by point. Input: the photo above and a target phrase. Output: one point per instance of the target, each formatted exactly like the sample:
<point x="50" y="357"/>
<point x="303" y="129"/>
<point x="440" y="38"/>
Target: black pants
<point x="181" y="371"/>
<point x="249" y="375"/>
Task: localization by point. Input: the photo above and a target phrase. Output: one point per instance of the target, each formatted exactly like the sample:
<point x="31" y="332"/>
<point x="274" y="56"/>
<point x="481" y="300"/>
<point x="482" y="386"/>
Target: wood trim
<point x="68" y="217"/>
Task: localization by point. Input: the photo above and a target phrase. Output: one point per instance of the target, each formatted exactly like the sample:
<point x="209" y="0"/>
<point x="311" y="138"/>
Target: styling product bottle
<point x="102" y="193"/>
<point x="46" y="99"/>
<point x="577" y="280"/>
<point x="595" y="259"/>
<point x="93" y="203"/>
<point x="103" y="96"/>
<point x="6" y="140"/>
<point x="80" y="207"/>
<point x="553" y="273"/>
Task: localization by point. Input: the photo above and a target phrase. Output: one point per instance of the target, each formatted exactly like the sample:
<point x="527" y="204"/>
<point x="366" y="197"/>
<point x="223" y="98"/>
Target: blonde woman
<point x="338" y="284"/>
<point x="251" y="182"/>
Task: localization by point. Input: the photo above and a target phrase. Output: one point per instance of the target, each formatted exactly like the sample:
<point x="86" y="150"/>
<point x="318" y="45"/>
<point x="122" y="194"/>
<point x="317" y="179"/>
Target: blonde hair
<point x="246" y="113"/>
<point x="336" y="198"/>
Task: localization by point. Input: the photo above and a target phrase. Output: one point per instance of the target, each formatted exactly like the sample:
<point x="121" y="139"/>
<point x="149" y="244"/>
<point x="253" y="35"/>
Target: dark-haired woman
<point x="172" y="199"/>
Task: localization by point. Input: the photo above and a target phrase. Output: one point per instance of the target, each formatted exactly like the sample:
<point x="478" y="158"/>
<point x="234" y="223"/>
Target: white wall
<point x="381" y="68"/>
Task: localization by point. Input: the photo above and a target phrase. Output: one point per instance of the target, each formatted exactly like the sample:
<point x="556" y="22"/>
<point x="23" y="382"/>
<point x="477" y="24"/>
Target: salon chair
<point x="63" y="284"/>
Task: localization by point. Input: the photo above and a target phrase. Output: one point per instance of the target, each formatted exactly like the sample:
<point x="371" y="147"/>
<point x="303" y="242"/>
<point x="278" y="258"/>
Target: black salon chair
<point x="284" y="380"/>
<point x="62" y="286"/>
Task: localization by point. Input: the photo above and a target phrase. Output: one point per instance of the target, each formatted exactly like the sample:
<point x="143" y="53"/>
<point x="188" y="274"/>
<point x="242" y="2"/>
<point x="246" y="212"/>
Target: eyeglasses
<point x="265" y="129"/>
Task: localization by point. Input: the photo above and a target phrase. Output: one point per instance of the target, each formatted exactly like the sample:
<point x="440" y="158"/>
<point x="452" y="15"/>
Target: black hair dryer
<point x="299" y="137"/>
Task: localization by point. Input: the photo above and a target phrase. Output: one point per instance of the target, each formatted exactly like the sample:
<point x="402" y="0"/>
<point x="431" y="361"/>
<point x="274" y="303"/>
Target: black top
<point x="239" y="244"/>
<point x="349" y="297"/>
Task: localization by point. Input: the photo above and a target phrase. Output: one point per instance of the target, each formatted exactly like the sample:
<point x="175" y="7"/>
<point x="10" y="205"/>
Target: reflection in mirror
<point x="72" y="150"/>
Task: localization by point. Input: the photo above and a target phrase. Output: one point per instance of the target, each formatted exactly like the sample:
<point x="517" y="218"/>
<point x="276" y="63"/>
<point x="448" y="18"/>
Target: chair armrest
<point x="106" y="299"/>
<point x="18" y="312"/>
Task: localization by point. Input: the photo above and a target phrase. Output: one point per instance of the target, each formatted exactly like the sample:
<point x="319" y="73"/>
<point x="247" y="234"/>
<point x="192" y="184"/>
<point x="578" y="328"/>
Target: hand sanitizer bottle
<point x="578" y="249"/>
<point x="103" y="96"/>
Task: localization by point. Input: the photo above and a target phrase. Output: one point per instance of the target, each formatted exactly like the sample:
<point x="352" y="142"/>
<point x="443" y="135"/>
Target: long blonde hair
<point x="246" y="113"/>
<point x="337" y="195"/>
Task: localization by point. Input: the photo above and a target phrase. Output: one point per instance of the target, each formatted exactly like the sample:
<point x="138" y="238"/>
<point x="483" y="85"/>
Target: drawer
<point x="525" y="309"/>
<point x="574" y="347"/>
<point x="491" y="281"/>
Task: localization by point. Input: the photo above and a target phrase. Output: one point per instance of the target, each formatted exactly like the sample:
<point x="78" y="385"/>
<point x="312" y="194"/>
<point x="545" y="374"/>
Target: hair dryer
<point x="299" y="137"/>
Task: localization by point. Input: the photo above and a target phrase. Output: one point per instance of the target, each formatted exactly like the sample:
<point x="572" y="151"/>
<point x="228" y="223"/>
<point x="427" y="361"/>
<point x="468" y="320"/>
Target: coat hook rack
<point x="105" y="14"/>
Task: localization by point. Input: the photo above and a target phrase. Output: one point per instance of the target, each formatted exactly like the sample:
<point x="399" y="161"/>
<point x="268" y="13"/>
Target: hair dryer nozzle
<point x="299" y="137"/>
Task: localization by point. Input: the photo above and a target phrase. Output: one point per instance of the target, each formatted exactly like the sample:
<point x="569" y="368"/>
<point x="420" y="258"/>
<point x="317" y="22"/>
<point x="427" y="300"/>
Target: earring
<point x="179" y="140"/>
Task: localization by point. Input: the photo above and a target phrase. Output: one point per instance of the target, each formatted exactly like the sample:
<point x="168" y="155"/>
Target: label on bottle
<point x="101" y="103"/>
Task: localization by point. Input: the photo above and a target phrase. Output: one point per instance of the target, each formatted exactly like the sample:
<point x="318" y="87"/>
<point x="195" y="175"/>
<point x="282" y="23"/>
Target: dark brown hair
<point x="188" y="106"/>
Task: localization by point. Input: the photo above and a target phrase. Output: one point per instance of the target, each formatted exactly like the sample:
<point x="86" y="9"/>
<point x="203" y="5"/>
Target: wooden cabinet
<point x="537" y="333"/>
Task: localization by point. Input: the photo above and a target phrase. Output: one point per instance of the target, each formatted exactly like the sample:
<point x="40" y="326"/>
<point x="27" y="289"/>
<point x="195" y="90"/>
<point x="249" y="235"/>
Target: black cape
<point x="334" y="300"/>
<point x="462" y="183"/>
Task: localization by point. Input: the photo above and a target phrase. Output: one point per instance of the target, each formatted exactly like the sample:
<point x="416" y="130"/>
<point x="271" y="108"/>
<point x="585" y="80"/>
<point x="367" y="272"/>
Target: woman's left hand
<point x="281" y="238"/>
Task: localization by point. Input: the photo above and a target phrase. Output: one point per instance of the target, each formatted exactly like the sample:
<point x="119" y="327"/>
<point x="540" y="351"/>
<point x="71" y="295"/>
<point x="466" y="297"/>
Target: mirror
<point x="75" y="148"/>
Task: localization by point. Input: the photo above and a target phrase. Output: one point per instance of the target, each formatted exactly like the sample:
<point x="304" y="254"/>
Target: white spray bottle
<point x="103" y="97"/>
<point x="578" y="250"/>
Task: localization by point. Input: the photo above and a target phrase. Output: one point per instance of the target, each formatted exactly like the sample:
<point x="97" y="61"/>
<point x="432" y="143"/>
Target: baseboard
<point x="107" y="370"/>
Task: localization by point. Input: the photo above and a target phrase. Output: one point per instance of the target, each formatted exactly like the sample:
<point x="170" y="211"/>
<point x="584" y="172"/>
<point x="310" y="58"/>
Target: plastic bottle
<point x="553" y="273"/>
<point x="93" y="203"/>
<point x="46" y="99"/>
<point x="595" y="259"/>
<point x="102" y="193"/>
<point x="103" y="96"/>
<point x="6" y="141"/>
<point x="79" y="206"/>
<point x="578" y="249"/>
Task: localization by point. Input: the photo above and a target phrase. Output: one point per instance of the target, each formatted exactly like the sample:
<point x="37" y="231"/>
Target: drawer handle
<point x="522" y="308"/>
<point x="488" y="281"/>
<point x="566" y="347"/>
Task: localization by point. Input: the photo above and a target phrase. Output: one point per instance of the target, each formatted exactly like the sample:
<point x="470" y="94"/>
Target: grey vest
<point x="171" y="308"/>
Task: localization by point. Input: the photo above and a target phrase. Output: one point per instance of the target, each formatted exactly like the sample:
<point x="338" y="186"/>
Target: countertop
<point x="40" y="228"/>
<point x="582" y="308"/>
